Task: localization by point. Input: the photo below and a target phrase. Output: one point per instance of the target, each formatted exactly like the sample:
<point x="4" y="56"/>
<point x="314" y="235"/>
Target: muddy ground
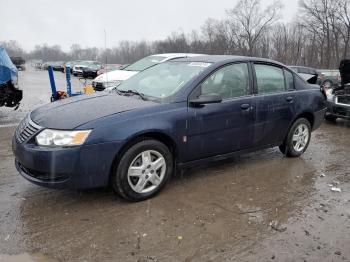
<point x="256" y="207"/>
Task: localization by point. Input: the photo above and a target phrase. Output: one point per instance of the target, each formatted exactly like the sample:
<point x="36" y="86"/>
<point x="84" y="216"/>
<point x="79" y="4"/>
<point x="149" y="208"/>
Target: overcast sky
<point x="66" y="22"/>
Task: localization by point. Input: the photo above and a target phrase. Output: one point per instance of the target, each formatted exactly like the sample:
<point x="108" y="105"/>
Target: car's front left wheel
<point x="143" y="170"/>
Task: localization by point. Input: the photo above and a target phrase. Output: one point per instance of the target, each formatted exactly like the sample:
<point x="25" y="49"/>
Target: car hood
<point x="73" y="112"/>
<point x="117" y="75"/>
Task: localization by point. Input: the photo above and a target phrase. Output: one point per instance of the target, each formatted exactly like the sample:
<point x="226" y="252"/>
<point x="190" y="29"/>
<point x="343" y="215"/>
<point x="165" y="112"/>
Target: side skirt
<point x="222" y="157"/>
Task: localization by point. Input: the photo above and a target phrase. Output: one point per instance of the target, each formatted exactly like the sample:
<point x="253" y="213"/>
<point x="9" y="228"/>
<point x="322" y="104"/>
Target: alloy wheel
<point x="147" y="171"/>
<point x="301" y="137"/>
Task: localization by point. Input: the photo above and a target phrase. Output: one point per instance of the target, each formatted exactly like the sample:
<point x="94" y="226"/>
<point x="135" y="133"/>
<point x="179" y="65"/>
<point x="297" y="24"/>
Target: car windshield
<point x="145" y="63"/>
<point x="165" y="79"/>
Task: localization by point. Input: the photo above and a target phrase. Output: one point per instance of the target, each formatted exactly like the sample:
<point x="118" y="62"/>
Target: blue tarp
<point x="8" y="70"/>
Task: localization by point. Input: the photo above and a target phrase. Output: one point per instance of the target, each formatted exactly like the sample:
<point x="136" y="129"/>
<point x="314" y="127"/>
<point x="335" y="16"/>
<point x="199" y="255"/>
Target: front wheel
<point x="298" y="139"/>
<point x="143" y="170"/>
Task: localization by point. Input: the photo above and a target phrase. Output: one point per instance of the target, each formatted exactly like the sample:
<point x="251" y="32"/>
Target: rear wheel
<point x="298" y="139"/>
<point x="143" y="170"/>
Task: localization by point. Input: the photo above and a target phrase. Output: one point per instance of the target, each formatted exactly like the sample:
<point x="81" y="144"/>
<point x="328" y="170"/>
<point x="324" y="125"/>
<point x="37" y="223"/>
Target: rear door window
<point x="270" y="79"/>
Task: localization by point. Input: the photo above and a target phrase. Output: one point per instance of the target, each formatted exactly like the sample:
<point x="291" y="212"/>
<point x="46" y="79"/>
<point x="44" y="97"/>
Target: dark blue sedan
<point x="179" y="113"/>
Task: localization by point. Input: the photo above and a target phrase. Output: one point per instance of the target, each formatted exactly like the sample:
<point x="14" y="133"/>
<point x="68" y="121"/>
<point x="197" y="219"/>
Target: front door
<point x="216" y="129"/>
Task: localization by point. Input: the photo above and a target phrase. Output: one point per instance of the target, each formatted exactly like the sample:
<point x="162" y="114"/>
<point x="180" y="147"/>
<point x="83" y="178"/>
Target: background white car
<point x="110" y="80"/>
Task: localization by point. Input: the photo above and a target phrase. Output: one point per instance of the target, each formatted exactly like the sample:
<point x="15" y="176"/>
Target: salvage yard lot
<point x="256" y="207"/>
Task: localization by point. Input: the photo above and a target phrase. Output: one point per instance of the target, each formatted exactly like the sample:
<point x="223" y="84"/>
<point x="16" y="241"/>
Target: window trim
<point x="194" y="92"/>
<point x="285" y="79"/>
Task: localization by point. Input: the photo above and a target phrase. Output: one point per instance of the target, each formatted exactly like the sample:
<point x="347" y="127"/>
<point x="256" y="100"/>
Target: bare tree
<point x="13" y="48"/>
<point x="344" y="24"/>
<point x="319" y="38"/>
<point x="254" y="21"/>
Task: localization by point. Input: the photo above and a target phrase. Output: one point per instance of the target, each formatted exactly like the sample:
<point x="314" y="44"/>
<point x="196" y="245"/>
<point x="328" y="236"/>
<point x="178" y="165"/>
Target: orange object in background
<point x="89" y="90"/>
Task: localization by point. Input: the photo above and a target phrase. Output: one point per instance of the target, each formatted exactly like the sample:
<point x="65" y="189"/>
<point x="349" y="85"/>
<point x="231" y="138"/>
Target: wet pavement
<point x="36" y="92"/>
<point x="255" y="207"/>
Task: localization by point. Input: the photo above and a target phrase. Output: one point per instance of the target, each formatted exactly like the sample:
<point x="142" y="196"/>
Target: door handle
<point x="289" y="99"/>
<point x="245" y="106"/>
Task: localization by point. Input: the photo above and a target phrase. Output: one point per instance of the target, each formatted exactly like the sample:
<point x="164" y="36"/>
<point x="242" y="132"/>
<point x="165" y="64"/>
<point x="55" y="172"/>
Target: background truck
<point x="10" y="95"/>
<point x="19" y="62"/>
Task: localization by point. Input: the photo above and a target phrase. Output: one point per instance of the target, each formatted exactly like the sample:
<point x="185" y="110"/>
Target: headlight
<point x="329" y="94"/>
<point x="50" y="137"/>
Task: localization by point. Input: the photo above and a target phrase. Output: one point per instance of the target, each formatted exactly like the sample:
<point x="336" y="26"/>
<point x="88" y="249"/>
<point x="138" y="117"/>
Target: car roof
<point x="177" y="55"/>
<point x="225" y="58"/>
<point x="304" y="67"/>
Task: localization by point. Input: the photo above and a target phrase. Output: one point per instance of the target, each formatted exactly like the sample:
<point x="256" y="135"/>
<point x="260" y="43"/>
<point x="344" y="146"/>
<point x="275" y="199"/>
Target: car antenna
<point x="106" y="54"/>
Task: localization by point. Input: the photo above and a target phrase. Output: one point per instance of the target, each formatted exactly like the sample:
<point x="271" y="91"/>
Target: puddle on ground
<point x="26" y="258"/>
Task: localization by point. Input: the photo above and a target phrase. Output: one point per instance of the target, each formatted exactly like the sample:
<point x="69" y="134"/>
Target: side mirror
<point x="206" y="99"/>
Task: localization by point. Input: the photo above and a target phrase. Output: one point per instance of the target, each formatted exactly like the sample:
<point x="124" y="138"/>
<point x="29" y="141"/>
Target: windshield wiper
<point x="133" y="92"/>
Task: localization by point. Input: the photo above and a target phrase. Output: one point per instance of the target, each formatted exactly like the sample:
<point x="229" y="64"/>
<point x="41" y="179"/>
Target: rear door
<point x="275" y="103"/>
<point x="225" y="127"/>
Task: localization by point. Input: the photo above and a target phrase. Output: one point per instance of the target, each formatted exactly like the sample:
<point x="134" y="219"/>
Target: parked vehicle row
<point x="177" y="113"/>
<point x="76" y="67"/>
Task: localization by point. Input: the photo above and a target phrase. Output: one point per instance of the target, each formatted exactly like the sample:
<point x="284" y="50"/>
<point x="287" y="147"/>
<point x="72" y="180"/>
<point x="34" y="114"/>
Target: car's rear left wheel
<point x="298" y="138"/>
<point x="143" y="170"/>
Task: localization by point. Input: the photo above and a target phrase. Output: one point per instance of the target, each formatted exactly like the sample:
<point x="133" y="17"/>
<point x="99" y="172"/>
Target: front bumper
<point x="81" y="167"/>
<point x="337" y="110"/>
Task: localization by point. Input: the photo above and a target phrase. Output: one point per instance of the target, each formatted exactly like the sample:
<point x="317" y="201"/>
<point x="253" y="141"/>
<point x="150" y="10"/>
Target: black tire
<point x="330" y="118"/>
<point x="287" y="148"/>
<point x="119" y="179"/>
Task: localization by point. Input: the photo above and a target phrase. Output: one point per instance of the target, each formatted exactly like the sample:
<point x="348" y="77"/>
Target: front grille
<point x="343" y="100"/>
<point x="45" y="177"/>
<point x="26" y="129"/>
